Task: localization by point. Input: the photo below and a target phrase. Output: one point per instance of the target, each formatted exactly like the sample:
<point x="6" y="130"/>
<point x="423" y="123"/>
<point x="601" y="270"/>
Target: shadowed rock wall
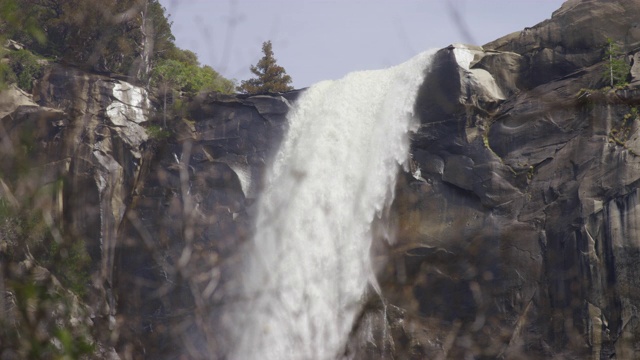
<point x="160" y="219"/>
<point x="187" y="220"/>
<point x="516" y="226"/>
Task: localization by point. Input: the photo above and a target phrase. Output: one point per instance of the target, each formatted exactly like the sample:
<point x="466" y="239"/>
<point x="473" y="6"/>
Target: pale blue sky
<point x="318" y="40"/>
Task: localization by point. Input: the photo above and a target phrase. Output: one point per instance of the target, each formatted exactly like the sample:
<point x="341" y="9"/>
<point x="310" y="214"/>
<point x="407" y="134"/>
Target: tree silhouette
<point x="271" y="77"/>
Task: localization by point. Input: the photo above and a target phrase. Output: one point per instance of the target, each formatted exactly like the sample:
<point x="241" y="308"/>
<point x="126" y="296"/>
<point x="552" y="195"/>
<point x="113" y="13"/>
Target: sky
<point x="317" y="40"/>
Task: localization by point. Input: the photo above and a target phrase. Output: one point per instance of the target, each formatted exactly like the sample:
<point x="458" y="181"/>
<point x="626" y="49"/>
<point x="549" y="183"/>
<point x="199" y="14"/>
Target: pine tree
<point x="617" y="68"/>
<point x="270" y="76"/>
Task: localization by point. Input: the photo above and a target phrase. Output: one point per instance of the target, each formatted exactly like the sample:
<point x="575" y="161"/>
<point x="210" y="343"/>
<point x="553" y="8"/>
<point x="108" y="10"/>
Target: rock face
<point x="517" y="231"/>
<point x="518" y="239"/>
<point x="157" y="217"/>
<point x="86" y="131"/>
<point x="72" y="153"/>
<point x="187" y="220"/>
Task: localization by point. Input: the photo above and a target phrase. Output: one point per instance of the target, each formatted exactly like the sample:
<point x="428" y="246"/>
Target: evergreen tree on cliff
<point x="271" y="77"/>
<point x="617" y="69"/>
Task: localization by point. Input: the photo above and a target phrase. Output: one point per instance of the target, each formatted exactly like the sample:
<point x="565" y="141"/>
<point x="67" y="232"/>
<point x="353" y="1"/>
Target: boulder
<point x="11" y="98"/>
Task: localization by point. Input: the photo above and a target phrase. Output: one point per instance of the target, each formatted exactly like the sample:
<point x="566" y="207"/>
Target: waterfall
<point x="307" y="268"/>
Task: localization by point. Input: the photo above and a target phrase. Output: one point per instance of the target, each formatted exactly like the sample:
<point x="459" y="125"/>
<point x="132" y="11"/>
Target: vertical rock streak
<point x="308" y="265"/>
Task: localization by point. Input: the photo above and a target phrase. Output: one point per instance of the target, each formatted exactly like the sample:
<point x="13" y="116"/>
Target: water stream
<point x="307" y="269"/>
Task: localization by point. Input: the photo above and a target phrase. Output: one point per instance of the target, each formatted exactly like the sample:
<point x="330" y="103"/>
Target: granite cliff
<point x="517" y="239"/>
<point x="157" y="217"/>
<point x="515" y="226"/>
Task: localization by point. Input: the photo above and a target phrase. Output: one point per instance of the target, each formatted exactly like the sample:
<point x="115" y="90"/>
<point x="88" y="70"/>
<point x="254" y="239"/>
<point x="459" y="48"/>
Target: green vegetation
<point x="617" y="70"/>
<point x="622" y="132"/>
<point x="46" y="322"/>
<point x="189" y="78"/>
<point x="121" y="36"/>
<point x="129" y="37"/>
<point x="43" y="274"/>
<point x="7" y="76"/>
<point x="157" y="133"/>
<point x="18" y="20"/>
<point x="70" y="262"/>
<point x="173" y="77"/>
<point x="24" y="67"/>
<point x="270" y="76"/>
<point x="62" y="253"/>
<point x="616" y="73"/>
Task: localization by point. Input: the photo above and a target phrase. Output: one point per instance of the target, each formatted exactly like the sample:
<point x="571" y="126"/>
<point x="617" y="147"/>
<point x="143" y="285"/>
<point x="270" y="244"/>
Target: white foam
<point x="307" y="268"/>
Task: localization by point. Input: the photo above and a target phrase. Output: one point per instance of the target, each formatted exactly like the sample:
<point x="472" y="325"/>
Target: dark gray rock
<point x="574" y="38"/>
<point x="161" y="220"/>
<point x="518" y="240"/>
<point x="187" y="220"/>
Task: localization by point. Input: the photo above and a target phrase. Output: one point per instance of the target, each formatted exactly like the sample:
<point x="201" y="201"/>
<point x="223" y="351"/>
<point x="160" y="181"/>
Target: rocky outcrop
<point x="72" y="155"/>
<point x="156" y="216"/>
<point x="516" y="229"/>
<point x="573" y="39"/>
<point x="187" y="220"/>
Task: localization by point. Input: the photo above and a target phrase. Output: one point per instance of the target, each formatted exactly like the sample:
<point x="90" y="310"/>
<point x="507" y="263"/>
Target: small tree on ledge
<point x="271" y="77"/>
<point x="617" y="69"/>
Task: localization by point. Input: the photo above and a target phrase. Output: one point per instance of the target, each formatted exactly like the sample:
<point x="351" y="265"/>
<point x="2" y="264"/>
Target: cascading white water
<point x="308" y="266"/>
